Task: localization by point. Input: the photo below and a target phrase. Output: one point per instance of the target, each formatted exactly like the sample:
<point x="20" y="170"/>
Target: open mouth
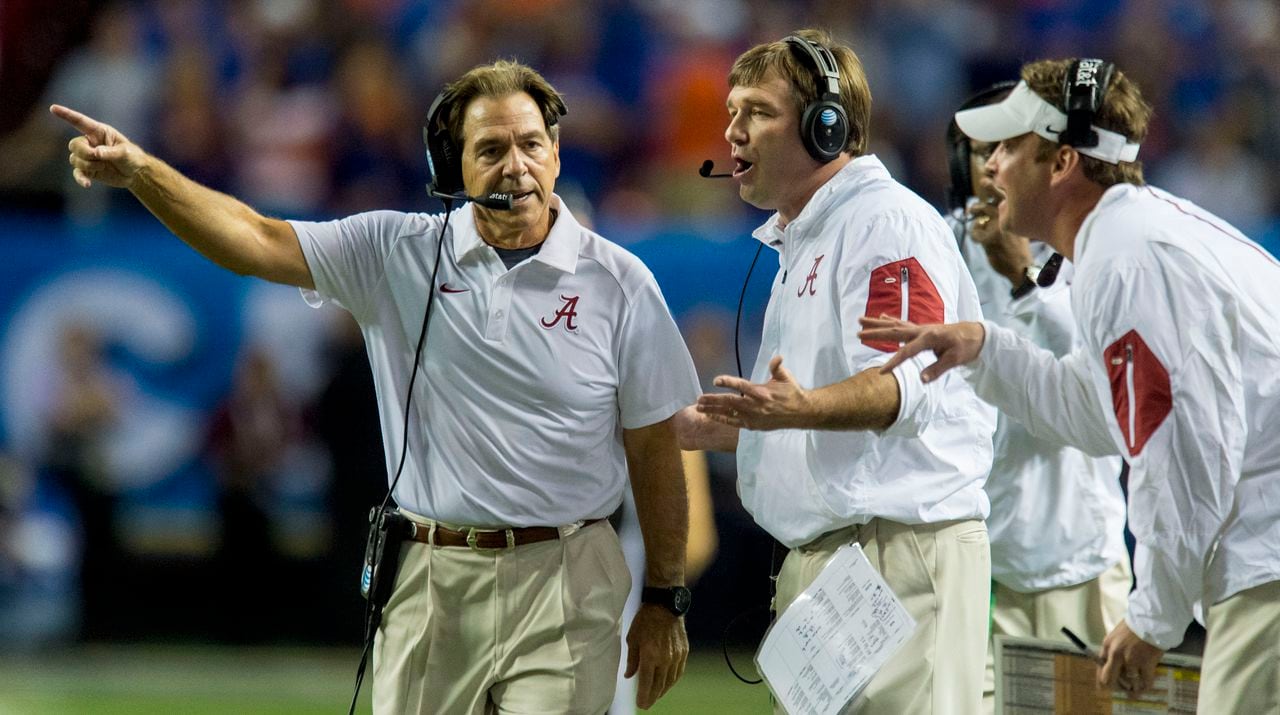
<point x="521" y="197"/>
<point x="741" y="166"/>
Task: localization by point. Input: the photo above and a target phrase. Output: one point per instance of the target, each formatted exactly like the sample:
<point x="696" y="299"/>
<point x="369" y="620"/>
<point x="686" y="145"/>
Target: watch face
<point x="681" y="599"/>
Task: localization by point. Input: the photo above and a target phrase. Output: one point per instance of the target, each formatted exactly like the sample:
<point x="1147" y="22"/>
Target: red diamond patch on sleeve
<point x="1140" y="391"/>
<point x="903" y="289"/>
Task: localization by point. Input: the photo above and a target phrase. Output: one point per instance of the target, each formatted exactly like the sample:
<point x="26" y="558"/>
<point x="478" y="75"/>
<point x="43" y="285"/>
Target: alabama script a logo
<point x="809" y="279"/>
<point x="568" y="313"/>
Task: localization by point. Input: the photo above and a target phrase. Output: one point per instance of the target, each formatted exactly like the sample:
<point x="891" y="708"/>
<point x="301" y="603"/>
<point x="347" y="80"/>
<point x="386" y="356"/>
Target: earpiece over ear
<point x="824" y="125"/>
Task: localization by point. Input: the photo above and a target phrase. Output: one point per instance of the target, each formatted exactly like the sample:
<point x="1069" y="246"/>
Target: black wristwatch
<point x="676" y="599"/>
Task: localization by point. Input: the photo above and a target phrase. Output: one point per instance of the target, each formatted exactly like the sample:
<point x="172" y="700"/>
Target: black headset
<point x="959" y="150"/>
<point x="824" y="125"/>
<point x="1083" y="89"/>
<point x="444" y="156"/>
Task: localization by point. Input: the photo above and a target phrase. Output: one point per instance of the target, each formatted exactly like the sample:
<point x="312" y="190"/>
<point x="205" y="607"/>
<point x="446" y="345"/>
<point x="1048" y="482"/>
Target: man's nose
<point x="992" y="165"/>
<point x="734" y="133"/>
<point x="514" y="164"/>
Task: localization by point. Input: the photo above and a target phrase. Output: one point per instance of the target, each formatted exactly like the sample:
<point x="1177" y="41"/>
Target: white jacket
<point x="1057" y="514"/>
<point x="864" y="244"/>
<point x="1180" y="372"/>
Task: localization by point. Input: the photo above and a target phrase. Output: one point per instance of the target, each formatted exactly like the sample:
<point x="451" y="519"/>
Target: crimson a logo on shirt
<point x="567" y="312"/>
<point x="809" y="279"/>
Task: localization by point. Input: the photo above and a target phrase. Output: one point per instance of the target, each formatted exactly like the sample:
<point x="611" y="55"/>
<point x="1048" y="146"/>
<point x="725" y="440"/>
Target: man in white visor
<point x="1178" y="371"/>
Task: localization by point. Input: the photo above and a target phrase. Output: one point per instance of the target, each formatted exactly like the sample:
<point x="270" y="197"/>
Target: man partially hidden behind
<point x="551" y="370"/>
<point x="830" y="451"/>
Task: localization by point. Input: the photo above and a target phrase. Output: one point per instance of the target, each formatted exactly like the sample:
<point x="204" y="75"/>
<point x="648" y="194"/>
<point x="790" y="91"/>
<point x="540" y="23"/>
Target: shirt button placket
<point x="499" y="306"/>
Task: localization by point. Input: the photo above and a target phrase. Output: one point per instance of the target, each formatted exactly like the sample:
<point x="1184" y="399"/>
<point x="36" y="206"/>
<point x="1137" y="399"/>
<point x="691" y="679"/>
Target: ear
<point x="1066" y="163"/>
<point x="555" y="150"/>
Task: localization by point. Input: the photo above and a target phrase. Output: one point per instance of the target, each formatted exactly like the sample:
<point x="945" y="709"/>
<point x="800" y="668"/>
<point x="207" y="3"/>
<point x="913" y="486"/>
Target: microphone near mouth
<point x="496" y="200"/>
<point x="705" y="171"/>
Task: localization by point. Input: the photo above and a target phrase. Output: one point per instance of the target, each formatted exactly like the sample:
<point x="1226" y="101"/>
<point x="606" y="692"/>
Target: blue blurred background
<point x="188" y="455"/>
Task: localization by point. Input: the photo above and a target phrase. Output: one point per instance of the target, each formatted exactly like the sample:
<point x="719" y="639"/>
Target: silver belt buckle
<point x="472" y="538"/>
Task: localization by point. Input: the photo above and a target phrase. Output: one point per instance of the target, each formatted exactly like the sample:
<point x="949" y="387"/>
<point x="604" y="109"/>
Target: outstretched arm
<point x="222" y="228"/>
<point x="1053" y="397"/>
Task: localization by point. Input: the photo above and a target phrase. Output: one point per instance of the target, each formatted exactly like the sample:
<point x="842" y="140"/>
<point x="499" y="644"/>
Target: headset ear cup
<point x="958" y="154"/>
<point x="824" y="130"/>
<point x="1084" y="90"/>
<point x="443" y="155"/>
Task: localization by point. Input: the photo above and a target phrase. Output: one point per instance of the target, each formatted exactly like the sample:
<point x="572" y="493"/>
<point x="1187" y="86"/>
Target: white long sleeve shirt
<point x="1057" y="514"/>
<point x="865" y="245"/>
<point x="1179" y="371"/>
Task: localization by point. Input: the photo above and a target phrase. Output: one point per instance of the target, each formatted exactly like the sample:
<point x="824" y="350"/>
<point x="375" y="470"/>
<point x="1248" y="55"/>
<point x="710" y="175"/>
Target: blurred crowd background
<point x="188" y="454"/>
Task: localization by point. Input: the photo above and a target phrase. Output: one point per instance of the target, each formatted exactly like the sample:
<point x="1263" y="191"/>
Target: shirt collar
<point x="559" y="250"/>
<point x="1112" y="195"/>
<point x="831" y="194"/>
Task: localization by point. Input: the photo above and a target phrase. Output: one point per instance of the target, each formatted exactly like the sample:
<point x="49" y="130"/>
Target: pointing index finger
<point x="86" y="125"/>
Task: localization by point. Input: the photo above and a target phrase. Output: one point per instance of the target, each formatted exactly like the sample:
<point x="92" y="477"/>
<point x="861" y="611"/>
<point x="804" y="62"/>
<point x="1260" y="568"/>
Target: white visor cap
<point x="1025" y="111"/>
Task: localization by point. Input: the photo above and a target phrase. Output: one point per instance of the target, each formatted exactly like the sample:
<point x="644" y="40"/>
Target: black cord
<point x="737" y="322"/>
<point x="773" y="556"/>
<point x="373" y="613"/>
<point x="364" y="659"/>
<point x="773" y="592"/>
<point x="724" y="646"/>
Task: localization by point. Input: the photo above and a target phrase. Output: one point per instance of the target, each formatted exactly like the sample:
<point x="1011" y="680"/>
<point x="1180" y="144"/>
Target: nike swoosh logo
<point x="444" y="288"/>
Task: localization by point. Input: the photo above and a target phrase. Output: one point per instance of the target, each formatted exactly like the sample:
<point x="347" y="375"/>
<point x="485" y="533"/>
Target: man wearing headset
<point x="830" y="451"/>
<point x="1179" y="371"/>
<point x="551" y="369"/>
<point x="1058" y="557"/>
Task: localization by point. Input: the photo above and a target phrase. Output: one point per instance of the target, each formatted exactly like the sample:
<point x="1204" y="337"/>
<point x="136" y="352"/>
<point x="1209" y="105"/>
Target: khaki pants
<point x="1090" y="609"/>
<point x="942" y="575"/>
<point x="1241" y="671"/>
<point x="531" y="630"/>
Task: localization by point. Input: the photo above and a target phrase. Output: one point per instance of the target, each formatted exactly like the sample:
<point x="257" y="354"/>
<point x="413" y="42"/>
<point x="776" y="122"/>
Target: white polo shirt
<point x="865" y="244"/>
<point x="528" y="375"/>
<point x="1179" y="371"/>
<point x="1057" y="514"/>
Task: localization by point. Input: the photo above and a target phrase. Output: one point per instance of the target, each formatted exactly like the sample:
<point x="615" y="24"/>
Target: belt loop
<point x="471" y="539"/>
<point x="431" y="535"/>
<point x="511" y="539"/>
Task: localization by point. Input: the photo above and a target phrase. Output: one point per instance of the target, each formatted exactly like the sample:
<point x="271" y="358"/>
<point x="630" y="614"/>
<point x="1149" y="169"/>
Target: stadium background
<point x="211" y="591"/>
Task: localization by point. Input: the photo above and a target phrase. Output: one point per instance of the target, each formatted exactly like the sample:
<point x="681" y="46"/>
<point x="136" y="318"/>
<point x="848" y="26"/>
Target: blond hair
<point x="750" y="68"/>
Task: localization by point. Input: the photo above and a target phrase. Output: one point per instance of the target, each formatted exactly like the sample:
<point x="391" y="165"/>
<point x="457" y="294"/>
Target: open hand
<point x="953" y="344"/>
<point x="779" y="403"/>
